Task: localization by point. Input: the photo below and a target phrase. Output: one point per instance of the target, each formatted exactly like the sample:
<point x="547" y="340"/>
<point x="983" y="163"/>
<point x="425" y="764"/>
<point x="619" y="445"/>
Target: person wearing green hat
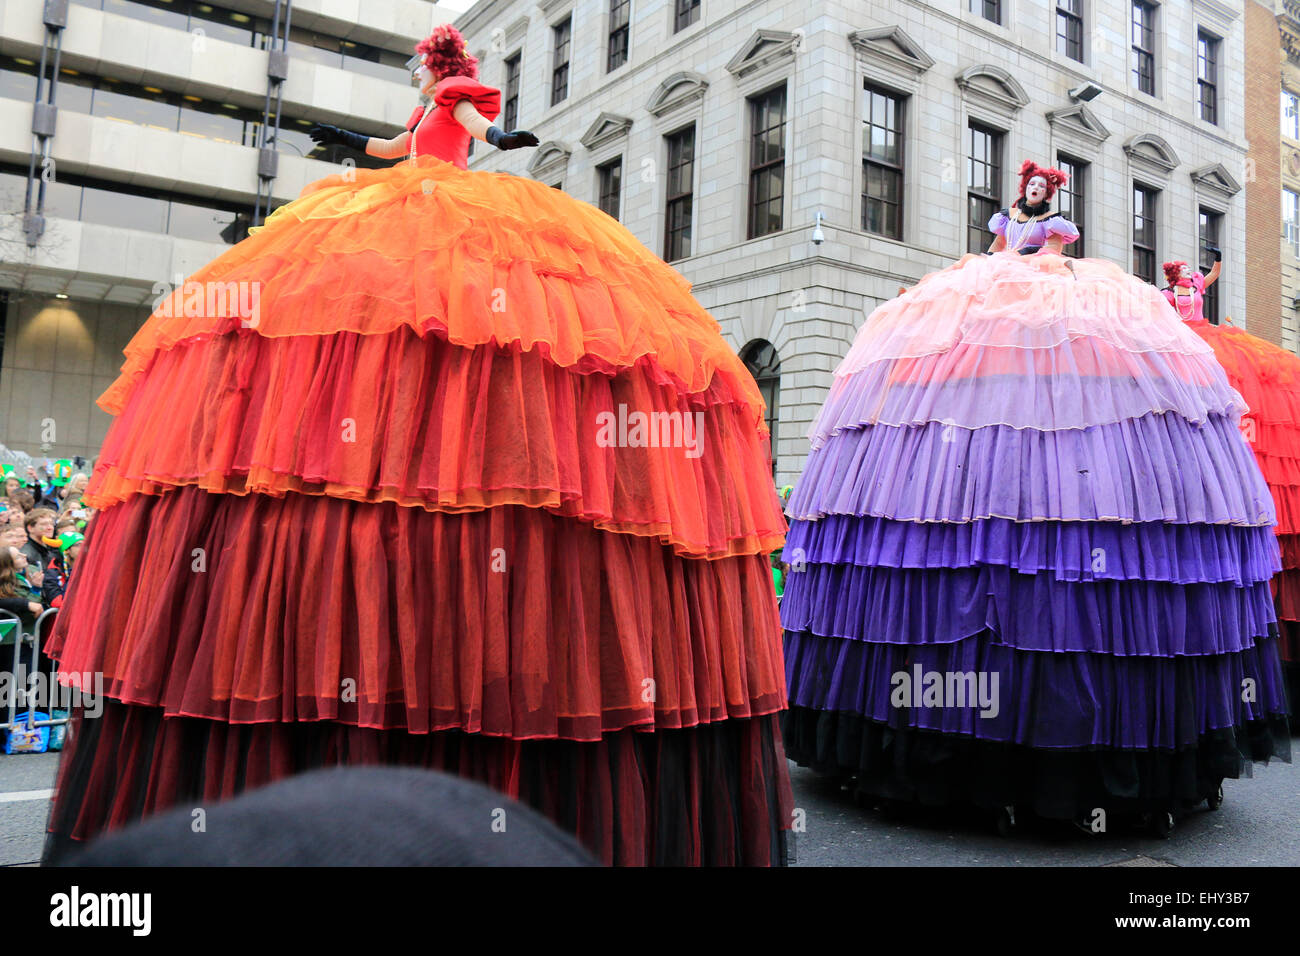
<point x="56" y="576"/>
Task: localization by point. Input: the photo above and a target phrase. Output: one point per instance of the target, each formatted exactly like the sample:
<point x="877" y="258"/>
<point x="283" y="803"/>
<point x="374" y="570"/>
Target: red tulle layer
<point x="477" y="258"/>
<point x="718" y="794"/>
<point x="1289" y="646"/>
<point x="508" y="622"/>
<point x="415" y="420"/>
<point x="1268" y="378"/>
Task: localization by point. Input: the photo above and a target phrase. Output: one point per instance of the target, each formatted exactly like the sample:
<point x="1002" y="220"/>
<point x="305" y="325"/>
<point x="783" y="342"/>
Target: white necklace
<point x="427" y="110"/>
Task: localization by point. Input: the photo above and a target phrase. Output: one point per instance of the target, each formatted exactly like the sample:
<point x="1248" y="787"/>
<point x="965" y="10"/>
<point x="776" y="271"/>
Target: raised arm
<point x="1213" y="277"/>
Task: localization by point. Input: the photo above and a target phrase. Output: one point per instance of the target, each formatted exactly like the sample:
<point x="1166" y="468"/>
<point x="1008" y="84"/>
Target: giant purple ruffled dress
<point x="1031" y="553"/>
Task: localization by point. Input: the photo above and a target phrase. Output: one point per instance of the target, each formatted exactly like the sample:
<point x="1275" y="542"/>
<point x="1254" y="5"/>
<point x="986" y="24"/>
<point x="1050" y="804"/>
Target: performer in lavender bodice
<point x="1030" y="474"/>
<point x="1029" y="225"/>
<point x="1186" y="289"/>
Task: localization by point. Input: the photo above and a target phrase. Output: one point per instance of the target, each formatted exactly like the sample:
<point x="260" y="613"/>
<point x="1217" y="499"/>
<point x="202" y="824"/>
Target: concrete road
<point x="1255" y="826"/>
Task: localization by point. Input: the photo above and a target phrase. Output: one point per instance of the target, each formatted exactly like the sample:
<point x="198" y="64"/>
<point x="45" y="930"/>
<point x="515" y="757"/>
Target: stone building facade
<point x="730" y="135"/>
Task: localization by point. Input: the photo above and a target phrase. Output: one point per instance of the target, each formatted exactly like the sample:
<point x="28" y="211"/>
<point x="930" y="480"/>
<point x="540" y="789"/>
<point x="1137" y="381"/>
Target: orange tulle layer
<point x="411" y="419"/>
<point x="1268" y="378"/>
<point x="508" y="622"/>
<point x="475" y="257"/>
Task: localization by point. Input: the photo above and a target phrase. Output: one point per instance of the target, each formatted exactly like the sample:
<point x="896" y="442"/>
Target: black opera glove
<point x="513" y="140"/>
<point x="322" y="134"/>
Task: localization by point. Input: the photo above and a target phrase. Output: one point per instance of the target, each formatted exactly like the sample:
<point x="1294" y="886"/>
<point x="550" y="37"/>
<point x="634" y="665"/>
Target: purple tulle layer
<point x="1029" y="612"/>
<point x="1154" y="468"/>
<point x="1068" y="551"/>
<point x="1042" y="700"/>
<point x="1075" y="385"/>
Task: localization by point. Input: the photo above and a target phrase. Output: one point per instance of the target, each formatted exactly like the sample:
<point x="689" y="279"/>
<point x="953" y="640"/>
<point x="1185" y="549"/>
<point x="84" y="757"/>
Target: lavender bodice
<point x="1030" y="235"/>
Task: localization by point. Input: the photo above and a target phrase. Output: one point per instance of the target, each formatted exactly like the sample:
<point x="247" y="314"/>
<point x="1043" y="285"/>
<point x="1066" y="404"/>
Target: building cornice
<point x="892" y="49"/>
<point x="551" y="157"/>
<point x="607" y="128"/>
<point x="683" y="87"/>
<point x="1216" y="13"/>
<point x="993" y="86"/>
<point x="1288" y="28"/>
<point x="1079" y="122"/>
<point x="1215" y="178"/>
<point x="763" y="51"/>
<point x="1151" y="154"/>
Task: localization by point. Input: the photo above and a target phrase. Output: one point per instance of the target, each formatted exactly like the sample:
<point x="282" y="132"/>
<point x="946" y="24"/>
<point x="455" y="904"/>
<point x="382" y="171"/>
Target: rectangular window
<point x="620" y="13"/>
<point x="560" y="70"/>
<point x="1291" y="221"/>
<point x="510" y="115"/>
<point x="1210" y="228"/>
<point x="688" y="11"/>
<point x="1070" y="201"/>
<point x="766" y="161"/>
<point x="1144" y="232"/>
<point x="1069" y="28"/>
<point x="610" y="181"/>
<point x="990" y="10"/>
<point x="882" y="164"/>
<point x="984" y="178"/>
<point x="681" y="176"/>
<point x="1144" y="46"/>
<point x="1207" y="77"/>
<point x="1290" y="115"/>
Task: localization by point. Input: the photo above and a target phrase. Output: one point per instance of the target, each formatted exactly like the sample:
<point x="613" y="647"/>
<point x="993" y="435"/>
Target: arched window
<point x="764" y="364"/>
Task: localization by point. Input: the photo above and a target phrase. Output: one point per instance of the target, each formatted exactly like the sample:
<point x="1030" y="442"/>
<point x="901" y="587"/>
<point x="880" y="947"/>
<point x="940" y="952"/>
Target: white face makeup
<point x="1185" y="272"/>
<point x="1035" y="190"/>
<point x="425" y="79"/>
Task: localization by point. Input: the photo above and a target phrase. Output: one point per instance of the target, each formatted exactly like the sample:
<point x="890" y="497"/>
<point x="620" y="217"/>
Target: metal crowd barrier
<point x="20" y="638"/>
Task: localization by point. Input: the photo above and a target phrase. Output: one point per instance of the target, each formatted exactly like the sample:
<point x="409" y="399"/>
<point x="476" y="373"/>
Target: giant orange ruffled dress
<point x="477" y="485"/>
<point x="1268" y="378"/>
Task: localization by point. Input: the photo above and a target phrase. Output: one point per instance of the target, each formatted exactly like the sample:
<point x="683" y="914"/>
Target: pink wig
<point x="445" y="54"/>
<point x="1055" y="178"/>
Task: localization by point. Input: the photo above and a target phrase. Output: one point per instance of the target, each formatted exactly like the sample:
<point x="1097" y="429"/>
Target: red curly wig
<point x="1055" y="178"/>
<point x="1171" y="271"/>
<point x="445" y="54"/>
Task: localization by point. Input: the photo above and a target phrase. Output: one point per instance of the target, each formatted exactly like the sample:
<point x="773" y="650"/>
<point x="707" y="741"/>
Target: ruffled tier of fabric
<point x="1268" y="378"/>
<point x="718" y="794"/>
<point x="900" y="763"/>
<point x="1074" y="551"/>
<point x="1029" y="612"/>
<point x="1266" y="375"/>
<point x="1079" y="384"/>
<point x="1034" y="699"/>
<point x="475" y="258"/>
<point x="414" y="420"/>
<point x="1152" y="468"/>
<point x="509" y="622"/>
<point x="1036" y="302"/>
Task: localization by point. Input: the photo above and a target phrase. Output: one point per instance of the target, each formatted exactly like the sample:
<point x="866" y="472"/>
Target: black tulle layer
<point x="938" y="769"/>
<point x="717" y="794"/>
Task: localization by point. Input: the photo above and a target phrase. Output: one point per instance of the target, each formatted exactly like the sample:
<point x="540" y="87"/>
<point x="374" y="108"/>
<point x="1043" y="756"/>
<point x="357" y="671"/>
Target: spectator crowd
<point x="41" y="531"/>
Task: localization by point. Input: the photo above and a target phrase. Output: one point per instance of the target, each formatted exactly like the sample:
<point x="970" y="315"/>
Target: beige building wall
<point x="954" y="67"/>
<point x="59" y="354"/>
